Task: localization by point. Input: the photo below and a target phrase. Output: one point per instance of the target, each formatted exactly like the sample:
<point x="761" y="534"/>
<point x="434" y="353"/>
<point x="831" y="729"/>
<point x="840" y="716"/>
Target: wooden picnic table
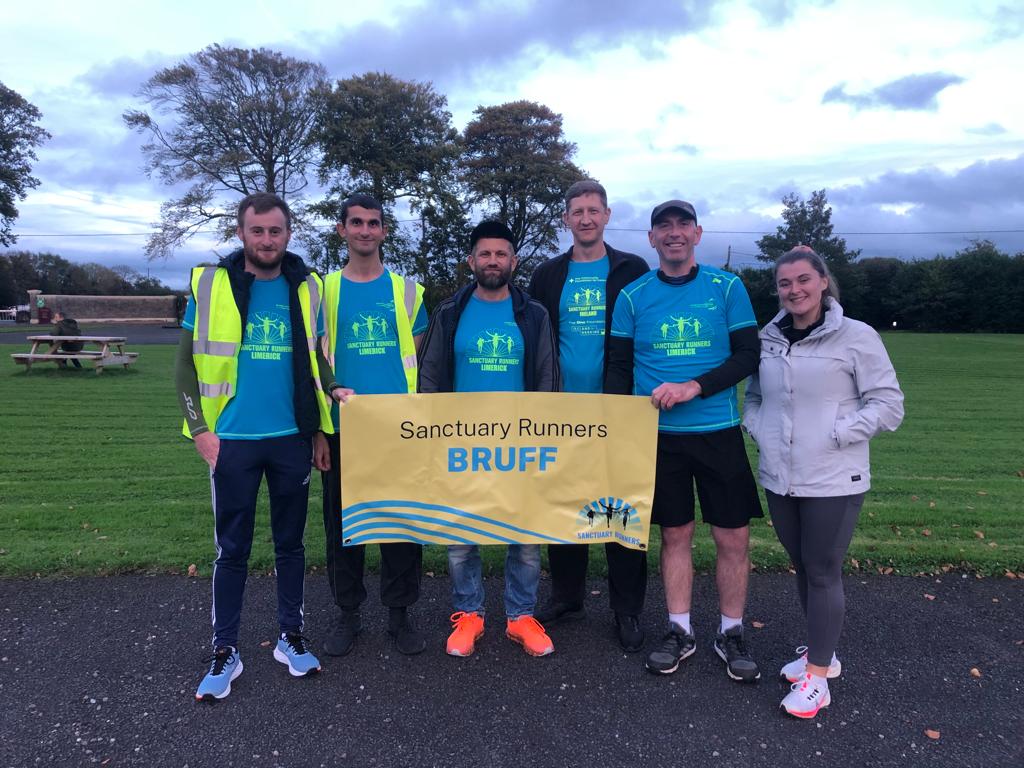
<point x="110" y="351"/>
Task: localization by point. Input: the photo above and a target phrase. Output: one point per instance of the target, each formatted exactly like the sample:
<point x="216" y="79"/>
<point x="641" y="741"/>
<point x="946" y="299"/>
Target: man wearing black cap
<point x="579" y="289"/>
<point x="685" y="336"/>
<point x="491" y="337"/>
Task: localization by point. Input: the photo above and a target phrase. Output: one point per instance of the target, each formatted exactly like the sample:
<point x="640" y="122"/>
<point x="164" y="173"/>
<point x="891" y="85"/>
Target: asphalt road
<point x="103" y="670"/>
<point x="136" y="333"/>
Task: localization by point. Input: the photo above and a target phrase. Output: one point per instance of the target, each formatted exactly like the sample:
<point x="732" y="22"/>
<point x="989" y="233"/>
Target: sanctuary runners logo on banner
<point x="498" y="468"/>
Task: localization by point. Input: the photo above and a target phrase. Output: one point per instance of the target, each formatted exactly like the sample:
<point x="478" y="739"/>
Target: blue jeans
<point x="522" y="575"/>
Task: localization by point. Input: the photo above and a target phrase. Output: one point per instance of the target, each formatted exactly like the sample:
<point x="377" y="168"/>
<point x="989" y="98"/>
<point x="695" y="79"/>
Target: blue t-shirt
<point x="488" y="348"/>
<point x="367" y="356"/>
<point x="263" y="403"/>
<point x="680" y="332"/>
<point x="581" y="317"/>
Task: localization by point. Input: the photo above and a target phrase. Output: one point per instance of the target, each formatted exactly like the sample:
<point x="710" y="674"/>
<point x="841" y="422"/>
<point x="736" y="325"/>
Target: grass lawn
<point x="96" y="477"/>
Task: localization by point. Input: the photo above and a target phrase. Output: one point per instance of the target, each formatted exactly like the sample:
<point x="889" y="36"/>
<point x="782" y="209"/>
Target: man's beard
<point x="491" y="280"/>
<point x="269" y="259"/>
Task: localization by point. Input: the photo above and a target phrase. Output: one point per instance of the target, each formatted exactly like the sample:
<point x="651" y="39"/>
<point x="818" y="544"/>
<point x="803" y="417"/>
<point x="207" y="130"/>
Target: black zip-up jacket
<point x="295" y="271"/>
<point x="437" y="353"/>
<point x="549" y="279"/>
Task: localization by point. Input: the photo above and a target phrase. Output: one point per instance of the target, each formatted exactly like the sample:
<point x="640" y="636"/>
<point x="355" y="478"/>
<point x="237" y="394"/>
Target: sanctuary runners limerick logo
<point x="373" y="332"/>
<point x="495" y="350"/>
<point x="681" y="334"/>
<point x="267" y="336"/>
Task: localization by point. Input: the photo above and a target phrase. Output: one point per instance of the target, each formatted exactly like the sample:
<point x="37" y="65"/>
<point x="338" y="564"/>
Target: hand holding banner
<point x="498" y="468"/>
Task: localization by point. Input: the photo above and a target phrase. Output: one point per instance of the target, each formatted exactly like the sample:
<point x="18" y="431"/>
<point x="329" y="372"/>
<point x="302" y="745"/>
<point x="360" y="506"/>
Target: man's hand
<point x="321" y="452"/>
<point x="208" y="445"/>
<point x="667" y="395"/>
<point x="342" y="394"/>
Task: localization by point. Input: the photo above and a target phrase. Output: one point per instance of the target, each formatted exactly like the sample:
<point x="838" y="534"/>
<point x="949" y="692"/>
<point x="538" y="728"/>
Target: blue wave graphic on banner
<point x="370" y="511"/>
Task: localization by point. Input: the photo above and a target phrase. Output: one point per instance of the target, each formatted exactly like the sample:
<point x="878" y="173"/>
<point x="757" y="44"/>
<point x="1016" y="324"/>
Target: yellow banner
<point x="498" y="468"/>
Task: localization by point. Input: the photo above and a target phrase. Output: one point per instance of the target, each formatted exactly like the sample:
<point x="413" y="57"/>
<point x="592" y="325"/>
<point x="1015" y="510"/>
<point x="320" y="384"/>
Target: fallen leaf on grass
<point x="975" y="672"/>
<point x="933" y="735"/>
<point x="983" y="493"/>
<point x="429" y="574"/>
<point x="980" y="534"/>
<point x="992" y="544"/>
<point x="931" y="505"/>
<point x="3" y="551"/>
<point x="928" y="597"/>
<point x="925" y="532"/>
<point x="914" y="498"/>
<point x="1020" y="473"/>
<point x="1009" y="574"/>
<point x="855" y="562"/>
<point x="193" y="571"/>
<point x="757" y="624"/>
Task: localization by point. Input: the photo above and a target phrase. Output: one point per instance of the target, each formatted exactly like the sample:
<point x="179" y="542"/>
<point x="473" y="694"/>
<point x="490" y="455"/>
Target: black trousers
<point x="401" y="562"/>
<point x="627" y="575"/>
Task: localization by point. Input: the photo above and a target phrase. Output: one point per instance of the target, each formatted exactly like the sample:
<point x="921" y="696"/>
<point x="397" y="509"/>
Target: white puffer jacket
<point x="812" y="406"/>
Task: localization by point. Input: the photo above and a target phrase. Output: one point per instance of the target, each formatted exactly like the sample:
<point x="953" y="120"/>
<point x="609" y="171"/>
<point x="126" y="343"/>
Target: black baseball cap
<point x="490" y="228"/>
<point x="680" y="206"/>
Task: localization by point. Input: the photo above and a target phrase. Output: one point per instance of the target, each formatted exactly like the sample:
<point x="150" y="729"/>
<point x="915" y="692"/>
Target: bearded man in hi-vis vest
<point x="375" y="322"/>
<point x="251" y="381"/>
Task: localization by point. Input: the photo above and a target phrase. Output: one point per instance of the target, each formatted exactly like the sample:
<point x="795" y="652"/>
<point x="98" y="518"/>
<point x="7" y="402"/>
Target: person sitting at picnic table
<point x="66" y="326"/>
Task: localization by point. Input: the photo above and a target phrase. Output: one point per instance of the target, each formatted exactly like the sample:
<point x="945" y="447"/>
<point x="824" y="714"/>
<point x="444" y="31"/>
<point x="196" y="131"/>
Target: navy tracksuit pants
<point x="286" y="462"/>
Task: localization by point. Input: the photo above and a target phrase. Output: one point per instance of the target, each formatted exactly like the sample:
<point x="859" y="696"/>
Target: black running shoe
<point x="631" y="636"/>
<point x="731" y="647"/>
<point x="343" y="634"/>
<point x="554" y="611"/>
<point x="408" y="640"/>
<point x="677" y="645"/>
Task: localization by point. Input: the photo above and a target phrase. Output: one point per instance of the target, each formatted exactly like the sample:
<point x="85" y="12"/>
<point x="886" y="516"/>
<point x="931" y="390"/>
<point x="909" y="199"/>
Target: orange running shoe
<point x="530" y="634"/>
<point x="468" y="628"/>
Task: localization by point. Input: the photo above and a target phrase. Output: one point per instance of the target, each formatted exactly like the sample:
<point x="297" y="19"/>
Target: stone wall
<point x="163" y="309"/>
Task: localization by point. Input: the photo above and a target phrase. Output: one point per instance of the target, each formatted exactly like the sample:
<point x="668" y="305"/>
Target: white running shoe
<point x="807" y="698"/>
<point x="794" y="671"/>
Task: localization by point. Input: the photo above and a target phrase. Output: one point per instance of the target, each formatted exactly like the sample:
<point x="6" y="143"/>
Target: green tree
<point x="807" y="223"/>
<point x="810" y="223"/>
<point x="517" y="165"/>
<point x="19" y="136"/>
<point x="235" y="122"/>
<point x="392" y="139"/>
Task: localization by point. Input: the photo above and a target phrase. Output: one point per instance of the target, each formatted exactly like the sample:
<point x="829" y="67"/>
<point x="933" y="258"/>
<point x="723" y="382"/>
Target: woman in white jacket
<point x="824" y="387"/>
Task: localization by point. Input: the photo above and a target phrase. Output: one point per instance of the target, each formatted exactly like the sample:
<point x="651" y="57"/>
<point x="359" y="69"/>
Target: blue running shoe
<point x="225" y="666"/>
<point x="291" y="650"/>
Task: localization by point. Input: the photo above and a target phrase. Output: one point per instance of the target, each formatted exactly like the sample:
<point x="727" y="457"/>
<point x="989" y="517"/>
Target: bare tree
<point x="234" y="122"/>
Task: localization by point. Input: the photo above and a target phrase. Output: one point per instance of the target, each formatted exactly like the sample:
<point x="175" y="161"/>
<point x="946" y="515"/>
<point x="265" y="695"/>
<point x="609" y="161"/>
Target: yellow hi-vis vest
<point x="408" y="300"/>
<point x="217" y="338"/>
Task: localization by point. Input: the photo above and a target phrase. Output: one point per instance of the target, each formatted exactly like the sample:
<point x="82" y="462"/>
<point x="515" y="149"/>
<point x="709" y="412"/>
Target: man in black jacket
<point x="490" y="337"/>
<point x="579" y="289"/>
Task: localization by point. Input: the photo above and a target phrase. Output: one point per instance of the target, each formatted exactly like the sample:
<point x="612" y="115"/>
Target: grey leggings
<point x="816" y="533"/>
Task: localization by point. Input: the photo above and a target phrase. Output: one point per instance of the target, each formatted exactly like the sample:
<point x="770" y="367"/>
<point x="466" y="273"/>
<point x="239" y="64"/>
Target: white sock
<point x="682" y="619"/>
<point x="728" y="623"/>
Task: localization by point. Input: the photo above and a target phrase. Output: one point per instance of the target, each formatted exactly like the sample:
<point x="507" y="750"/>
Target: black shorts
<point x="717" y="461"/>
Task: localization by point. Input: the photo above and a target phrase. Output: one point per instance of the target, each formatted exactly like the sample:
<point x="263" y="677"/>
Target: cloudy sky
<point x="908" y="113"/>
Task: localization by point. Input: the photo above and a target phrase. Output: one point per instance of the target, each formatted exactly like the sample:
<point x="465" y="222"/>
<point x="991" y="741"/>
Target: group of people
<point x="264" y="402"/>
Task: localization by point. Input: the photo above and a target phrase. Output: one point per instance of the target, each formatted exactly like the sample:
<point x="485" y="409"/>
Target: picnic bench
<point x="46" y="349"/>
